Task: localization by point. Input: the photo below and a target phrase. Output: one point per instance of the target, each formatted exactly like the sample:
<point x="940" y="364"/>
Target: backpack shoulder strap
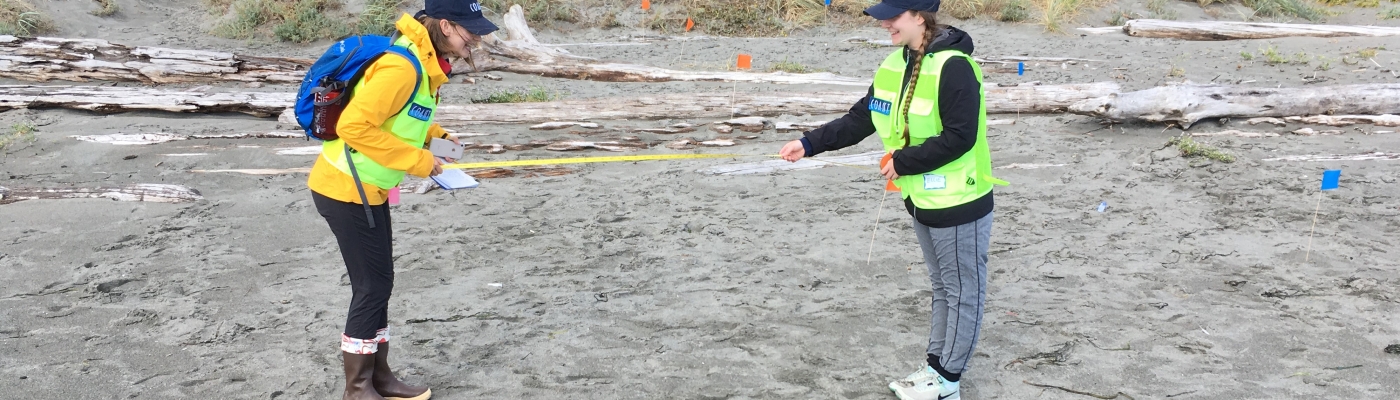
<point x="417" y="67"/>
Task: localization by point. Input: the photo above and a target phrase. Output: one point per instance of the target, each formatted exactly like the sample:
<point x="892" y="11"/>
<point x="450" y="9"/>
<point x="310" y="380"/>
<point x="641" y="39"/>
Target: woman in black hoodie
<point x="927" y="107"/>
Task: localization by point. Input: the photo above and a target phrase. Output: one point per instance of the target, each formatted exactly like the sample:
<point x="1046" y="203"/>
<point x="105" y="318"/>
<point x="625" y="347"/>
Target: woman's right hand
<point x="793" y="151"/>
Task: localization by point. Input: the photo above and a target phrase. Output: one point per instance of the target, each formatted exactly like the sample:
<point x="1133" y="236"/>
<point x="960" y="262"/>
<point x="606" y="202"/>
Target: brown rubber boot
<point x="390" y="386"/>
<point x="359" y="377"/>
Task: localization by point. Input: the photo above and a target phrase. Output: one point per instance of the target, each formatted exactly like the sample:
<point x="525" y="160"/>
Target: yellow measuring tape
<point x="588" y="160"/>
<point x="607" y="159"/>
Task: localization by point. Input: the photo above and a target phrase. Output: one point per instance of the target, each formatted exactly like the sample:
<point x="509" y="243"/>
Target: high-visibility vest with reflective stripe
<point x="410" y="125"/>
<point x="966" y="179"/>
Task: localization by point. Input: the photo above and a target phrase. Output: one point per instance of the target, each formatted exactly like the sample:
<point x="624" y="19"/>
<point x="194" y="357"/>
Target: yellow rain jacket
<point x="388" y="84"/>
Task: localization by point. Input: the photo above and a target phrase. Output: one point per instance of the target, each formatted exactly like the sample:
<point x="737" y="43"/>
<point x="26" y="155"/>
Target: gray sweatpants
<point x="957" y="266"/>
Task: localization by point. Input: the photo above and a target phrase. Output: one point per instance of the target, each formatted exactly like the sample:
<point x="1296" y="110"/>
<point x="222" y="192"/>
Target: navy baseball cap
<point x="887" y="9"/>
<point x="466" y="13"/>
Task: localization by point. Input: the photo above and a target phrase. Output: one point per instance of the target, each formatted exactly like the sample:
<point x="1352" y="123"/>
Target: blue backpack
<point x="326" y="88"/>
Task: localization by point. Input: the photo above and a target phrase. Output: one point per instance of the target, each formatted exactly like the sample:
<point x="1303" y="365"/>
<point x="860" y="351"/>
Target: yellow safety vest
<point x="959" y="182"/>
<point x="410" y="125"/>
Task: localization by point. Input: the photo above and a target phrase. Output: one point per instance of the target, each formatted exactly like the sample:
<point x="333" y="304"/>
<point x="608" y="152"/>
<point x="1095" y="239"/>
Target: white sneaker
<point x="925" y="384"/>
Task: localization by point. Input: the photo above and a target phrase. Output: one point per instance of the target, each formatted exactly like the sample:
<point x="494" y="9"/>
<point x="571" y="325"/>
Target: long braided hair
<point x="931" y="30"/>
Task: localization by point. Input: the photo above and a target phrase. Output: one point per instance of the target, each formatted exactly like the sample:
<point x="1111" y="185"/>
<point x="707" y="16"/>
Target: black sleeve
<point x="959" y="106"/>
<point x="845" y="131"/>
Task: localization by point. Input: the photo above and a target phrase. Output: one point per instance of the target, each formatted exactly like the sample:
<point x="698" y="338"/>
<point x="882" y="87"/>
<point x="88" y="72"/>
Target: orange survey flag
<point x="689" y="23"/>
<point x="745" y="61"/>
<point x="889" y="184"/>
<point x="646" y="4"/>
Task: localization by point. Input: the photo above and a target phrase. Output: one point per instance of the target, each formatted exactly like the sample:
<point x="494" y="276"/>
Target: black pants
<point x="369" y="259"/>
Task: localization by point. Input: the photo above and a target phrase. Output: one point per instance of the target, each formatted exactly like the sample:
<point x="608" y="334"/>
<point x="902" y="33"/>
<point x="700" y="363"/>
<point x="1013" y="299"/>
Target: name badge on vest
<point x="419" y="112"/>
<point x="935" y="182"/>
<point x="880" y="106"/>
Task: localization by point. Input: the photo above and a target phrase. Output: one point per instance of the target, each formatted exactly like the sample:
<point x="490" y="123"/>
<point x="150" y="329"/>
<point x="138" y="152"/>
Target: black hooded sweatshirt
<point x="959" y="103"/>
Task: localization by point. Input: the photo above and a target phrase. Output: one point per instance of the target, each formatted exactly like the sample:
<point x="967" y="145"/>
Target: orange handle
<point x="889" y="184"/>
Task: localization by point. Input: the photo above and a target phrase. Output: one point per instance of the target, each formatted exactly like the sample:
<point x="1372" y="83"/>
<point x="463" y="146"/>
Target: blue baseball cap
<point x="466" y="13"/>
<point x="887" y="9"/>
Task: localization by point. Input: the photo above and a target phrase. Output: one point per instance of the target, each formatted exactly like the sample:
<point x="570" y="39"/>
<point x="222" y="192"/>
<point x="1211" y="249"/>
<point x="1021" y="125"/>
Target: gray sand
<point x="650" y="280"/>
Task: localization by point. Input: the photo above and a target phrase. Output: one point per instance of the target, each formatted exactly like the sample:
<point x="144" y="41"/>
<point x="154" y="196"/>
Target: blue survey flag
<point x="1331" y="179"/>
<point x="1020" y="68"/>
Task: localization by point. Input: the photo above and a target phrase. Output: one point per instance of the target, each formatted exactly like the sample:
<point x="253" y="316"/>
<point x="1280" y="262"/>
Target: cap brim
<point x="882" y="11"/>
<point x="478" y="26"/>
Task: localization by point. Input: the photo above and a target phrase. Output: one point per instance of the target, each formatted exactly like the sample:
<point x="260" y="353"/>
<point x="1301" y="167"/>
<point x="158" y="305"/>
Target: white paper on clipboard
<point x="453" y="179"/>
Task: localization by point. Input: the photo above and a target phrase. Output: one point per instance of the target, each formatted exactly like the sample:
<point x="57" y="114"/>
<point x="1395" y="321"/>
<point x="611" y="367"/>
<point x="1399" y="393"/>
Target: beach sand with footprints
<point x="1200" y="279"/>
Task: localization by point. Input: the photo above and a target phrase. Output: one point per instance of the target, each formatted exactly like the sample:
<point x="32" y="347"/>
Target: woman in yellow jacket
<point x="386" y="134"/>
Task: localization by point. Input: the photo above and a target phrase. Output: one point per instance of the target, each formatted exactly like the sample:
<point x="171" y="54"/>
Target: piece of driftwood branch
<point x="1013" y="99"/>
<point x="1186" y="104"/>
<point x="572" y="145"/>
<point x="770" y="166"/>
<point x="1347" y="120"/>
<point x="81" y="60"/>
<point x="549" y="126"/>
<point x="1237" y="133"/>
<point x="534" y="58"/>
<point x="1340" y="157"/>
<point x="255" y="171"/>
<point x="122" y="139"/>
<point x="1028" y="166"/>
<point x="1102" y="30"/>
<point x="1232" y="30"/>
<point x="106" y="99"/>
<point x="157" y="193"/>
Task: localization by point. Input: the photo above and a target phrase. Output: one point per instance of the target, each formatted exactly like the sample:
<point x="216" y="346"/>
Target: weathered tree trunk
<point x="1027" y="99"/>
<point x="1372" y="156"/>
<point x="1347" y="120"/>
<point x="642" y="73"/>
<point x="122" y="139"/>
<point x="138" y="192"/>
<point x="1231" y="30"/>
<point x="554" y="62"/>
<point x="1186" y="104"/>
<point x="124" y="99"/>
<point x="81" y="60"/>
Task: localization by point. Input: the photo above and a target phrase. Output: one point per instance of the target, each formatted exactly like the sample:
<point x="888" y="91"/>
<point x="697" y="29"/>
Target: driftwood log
<point x="127" y="139"/>
<point x="105" y="99"/>
<point x="1348" y="120"/>
<point x="1026" y="98"/>
<point x="1013" y="99"/>
<point x="1186" y="104"/>
<point x="1372" y="156"/>
<point x="1232" y="30"/>
<point x="81" y="60"/>
<point x="139" y="192"/>
<point x="535" y="58"/>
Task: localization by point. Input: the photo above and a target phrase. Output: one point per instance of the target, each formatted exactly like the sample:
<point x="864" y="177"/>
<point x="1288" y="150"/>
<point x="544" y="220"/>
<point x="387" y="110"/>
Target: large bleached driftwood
<point x="124" y="99"/>
<point x="535" y="58"/>
<point x="128" y="139"/>
<point x="640" y="73"/>
<point x="1186" y="104"/>
<point x="1231" y="30"/>
<point x="1348" y="120"/>
<point x="139" y="192"/>
<point x="80" y="60"/>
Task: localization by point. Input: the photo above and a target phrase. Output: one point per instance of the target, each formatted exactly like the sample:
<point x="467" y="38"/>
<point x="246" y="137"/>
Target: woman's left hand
<point x="888" y="171"/>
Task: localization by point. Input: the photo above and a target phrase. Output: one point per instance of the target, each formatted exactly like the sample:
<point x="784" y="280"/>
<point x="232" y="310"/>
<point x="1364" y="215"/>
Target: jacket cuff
<point x="899" y="166"/>
<point x="806" y="147"/>
<point x="424" y="165"/>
